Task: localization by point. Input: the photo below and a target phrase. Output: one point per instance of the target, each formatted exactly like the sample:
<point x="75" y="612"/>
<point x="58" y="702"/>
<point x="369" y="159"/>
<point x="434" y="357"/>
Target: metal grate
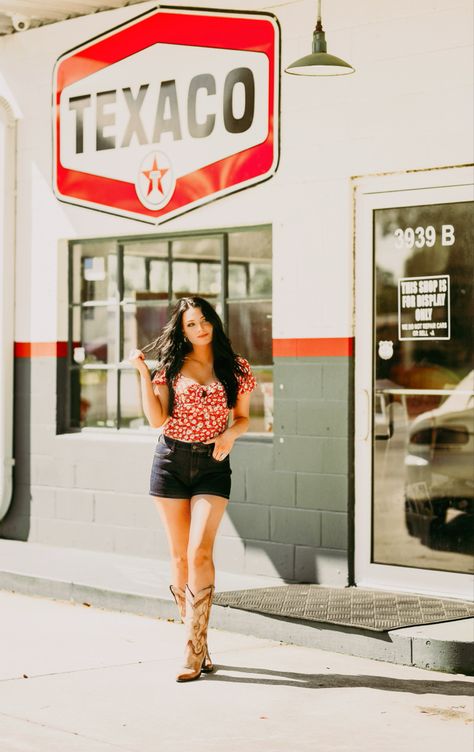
<point x="350" y="607"/>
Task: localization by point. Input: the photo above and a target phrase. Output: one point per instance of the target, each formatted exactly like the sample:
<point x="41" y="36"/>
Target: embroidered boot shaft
<point x="198" y="609"/>
<point x="180" y="598"/>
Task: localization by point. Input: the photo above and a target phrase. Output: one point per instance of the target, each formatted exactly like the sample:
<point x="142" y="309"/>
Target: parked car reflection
<point x="439" y="473"/>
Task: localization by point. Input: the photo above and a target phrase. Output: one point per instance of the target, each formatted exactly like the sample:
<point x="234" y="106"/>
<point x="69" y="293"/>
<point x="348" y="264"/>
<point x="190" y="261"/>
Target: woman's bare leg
<point x="206" y="514"/>
<point x="176" y="517"/>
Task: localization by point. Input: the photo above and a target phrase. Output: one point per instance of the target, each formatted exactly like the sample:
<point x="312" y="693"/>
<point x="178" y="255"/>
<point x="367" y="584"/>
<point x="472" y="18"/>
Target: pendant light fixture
<point x="319" y="63"/>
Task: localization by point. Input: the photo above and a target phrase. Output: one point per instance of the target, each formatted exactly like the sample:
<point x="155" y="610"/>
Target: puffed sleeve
<point x="159" y="377"/>
<point x="246" y="381"/>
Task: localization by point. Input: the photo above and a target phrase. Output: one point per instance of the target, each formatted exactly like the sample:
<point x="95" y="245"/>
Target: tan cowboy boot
<point x="180" y="598"/>
<point x="198" y="609"/>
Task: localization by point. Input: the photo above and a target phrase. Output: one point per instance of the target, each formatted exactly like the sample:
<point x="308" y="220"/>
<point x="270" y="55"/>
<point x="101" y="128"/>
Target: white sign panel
<point x="423" y="308"/>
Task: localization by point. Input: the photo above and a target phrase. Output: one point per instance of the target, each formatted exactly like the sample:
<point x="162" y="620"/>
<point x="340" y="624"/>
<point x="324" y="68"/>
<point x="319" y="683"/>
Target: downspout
<point x="7" y="286"/>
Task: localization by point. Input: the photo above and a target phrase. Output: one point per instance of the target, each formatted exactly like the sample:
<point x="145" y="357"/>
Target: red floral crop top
<point x="200" y="412"/>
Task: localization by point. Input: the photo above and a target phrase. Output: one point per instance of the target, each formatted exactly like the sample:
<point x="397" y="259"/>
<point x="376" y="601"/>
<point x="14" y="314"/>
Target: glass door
<point x="415" y="390"/>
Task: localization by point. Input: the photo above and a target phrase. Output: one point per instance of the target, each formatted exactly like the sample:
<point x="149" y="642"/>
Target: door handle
<point x="366" y="434"/>
<point x="386" y="401"/>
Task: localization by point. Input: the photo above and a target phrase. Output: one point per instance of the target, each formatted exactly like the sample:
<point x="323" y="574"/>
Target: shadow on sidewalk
<point x="340" y="681"/>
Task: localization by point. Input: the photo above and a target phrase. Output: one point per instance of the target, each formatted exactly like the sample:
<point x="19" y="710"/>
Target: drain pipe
<point x="7" y="252"/>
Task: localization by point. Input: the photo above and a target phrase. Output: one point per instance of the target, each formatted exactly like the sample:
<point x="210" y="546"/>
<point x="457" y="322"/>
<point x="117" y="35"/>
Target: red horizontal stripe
<point x="282" y="348"/>
<point x="314" y="347"/>
<point x="40" y="349"/>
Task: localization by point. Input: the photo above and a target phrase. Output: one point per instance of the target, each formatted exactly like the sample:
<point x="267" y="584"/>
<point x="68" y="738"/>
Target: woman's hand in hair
<point x="137" y="359"/>
<point x="154" y="404"/>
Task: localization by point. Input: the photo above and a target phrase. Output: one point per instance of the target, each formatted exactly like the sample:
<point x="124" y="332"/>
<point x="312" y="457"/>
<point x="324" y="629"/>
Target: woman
<point x="198" y="382"/>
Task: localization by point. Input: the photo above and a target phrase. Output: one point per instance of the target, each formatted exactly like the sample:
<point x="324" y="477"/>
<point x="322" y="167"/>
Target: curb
<point x="398" y="646"/>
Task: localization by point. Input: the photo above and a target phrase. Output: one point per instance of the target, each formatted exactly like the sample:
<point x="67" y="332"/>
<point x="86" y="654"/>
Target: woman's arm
<point x="154" y="398"/>
<point x="240" y="415"/>
<point x="225" y="441"/>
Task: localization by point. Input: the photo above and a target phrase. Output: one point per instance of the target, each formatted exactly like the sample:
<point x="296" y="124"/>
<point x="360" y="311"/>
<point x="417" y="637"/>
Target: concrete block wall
<point x="291" y="497"/>
<point x="287" y="517"/>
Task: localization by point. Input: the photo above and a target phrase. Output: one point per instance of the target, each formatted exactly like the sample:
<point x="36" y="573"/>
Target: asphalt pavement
<point x="80" y="679"/>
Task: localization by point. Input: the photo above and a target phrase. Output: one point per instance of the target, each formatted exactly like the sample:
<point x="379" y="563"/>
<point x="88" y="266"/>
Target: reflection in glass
<point x="439" y="473"/>
<point x="145" y="268"/>
<point x="97" y="398"/>
<point x="197" y="247"/>
<point x="260" y="279"/>
<point x="142" y="325"/>
<point x="423" y="449"/>
<point x="250" y="305"/>
<point x="131" y="413"/>
<point x="197" y="278"/>
<point x="146" y="280"/>
<point x="185" y="278"/>
<point x="197" y="267"/>
<point x="250" y="330"/>
<point x="134" y="274"/>
<point x="209" y="279"/>
<point x="95" y="271"/>
<point x="250" y="263"/>
<point x="76" y="319"/>
<point x="261" y="404"/>
<point x="250" y="245"/>
<point x="99" y="334"/>
<point x="238" y="280"/>
<point x="159" y="272"/>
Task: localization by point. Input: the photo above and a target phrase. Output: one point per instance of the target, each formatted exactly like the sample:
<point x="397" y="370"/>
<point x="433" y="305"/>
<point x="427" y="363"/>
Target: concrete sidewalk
<point x="79" y="679"/>
<point x="140" y="586"/>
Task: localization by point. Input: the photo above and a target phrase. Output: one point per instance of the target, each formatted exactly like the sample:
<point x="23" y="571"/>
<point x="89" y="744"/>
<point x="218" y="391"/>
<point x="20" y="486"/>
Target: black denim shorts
<point x="183" y="469"/>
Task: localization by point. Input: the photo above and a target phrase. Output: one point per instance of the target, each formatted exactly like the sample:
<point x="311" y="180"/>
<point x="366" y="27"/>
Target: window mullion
<point x="170" y="275"/>
<point x="70" y="283"/>
<point x="225" y="280"/>
<point x="147" y="273"/>
<point x="119" y="326"/>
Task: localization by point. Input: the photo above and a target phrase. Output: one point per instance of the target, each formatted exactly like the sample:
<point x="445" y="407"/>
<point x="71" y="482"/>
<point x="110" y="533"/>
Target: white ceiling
<point x="18" y="15"/>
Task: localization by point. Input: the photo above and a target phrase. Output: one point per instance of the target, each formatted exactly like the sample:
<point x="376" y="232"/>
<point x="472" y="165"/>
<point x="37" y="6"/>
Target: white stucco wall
<point x="408" y="106"/>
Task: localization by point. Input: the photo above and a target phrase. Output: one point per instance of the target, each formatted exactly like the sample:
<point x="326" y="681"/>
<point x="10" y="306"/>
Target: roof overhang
<point x="17" y="16"/>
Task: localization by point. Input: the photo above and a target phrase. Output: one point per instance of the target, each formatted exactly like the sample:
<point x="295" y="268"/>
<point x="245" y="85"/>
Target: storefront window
<point x="423" y="449"/>
<point x="249" y="313"/>
<point x="121" y="295"/>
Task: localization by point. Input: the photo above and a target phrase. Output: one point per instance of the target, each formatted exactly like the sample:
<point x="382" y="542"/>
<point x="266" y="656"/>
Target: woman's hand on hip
<point x="222" y="446"/>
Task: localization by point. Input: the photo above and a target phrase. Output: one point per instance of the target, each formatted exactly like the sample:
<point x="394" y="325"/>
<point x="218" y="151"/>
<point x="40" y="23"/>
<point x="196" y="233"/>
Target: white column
<point x="7" y="301"/>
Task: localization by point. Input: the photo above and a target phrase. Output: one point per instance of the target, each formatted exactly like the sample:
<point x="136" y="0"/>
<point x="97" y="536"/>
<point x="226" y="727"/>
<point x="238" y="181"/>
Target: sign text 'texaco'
<point x="199" y="121"/>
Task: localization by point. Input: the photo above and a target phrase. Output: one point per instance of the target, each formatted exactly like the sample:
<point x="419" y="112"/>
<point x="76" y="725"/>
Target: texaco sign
<point x="167" y="112"/>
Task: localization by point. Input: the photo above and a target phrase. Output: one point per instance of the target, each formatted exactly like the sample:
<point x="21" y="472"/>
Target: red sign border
<point x="188" y="195"/>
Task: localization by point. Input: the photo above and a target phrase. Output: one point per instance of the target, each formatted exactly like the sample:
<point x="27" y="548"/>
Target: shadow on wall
<point x="17" y="522"/>
<point x="277" y="526"/>
<point x="310" y="564"/>
<point x="291" y="509"/>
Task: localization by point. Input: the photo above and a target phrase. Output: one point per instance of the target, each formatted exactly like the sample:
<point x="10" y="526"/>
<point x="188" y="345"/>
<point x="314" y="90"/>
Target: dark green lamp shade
<point x="320" y="64"/>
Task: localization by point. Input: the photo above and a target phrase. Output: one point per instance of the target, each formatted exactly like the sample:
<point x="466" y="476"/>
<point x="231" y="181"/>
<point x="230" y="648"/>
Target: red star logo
<point x="154" y="177"/>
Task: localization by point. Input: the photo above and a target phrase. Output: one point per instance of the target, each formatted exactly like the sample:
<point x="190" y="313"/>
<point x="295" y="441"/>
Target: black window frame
<point x="120" y="301"/>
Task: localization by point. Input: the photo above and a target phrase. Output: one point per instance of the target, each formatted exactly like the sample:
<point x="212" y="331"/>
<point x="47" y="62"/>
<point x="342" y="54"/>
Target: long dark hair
<point x="171" y="348"/>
